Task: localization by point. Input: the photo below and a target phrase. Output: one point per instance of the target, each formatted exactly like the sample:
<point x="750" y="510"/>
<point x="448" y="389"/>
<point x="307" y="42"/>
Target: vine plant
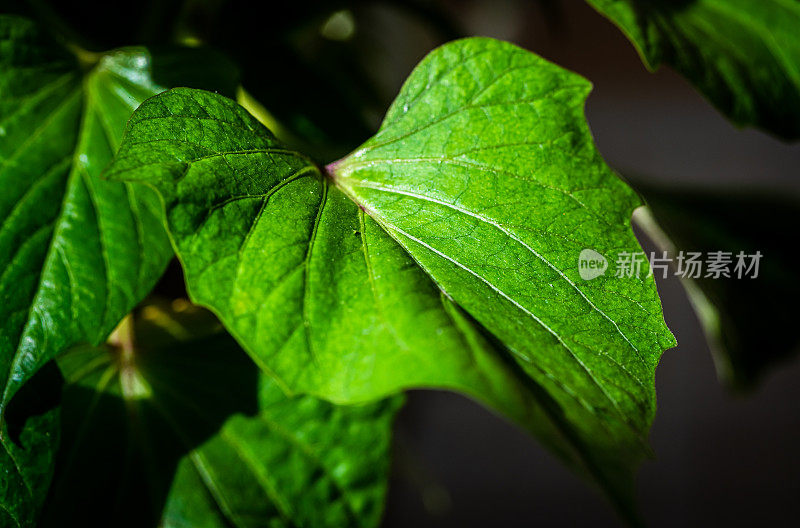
<point x="441" y="253"/>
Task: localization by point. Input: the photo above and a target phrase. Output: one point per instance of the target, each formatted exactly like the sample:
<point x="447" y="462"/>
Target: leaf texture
<point x="442" y="253"/>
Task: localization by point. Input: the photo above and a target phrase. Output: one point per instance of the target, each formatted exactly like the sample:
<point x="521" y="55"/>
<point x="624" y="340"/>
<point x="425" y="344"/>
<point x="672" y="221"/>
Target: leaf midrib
<point x="497" y="225"/>
<point x="58" y="227"/>
<point x="394" y="231"/>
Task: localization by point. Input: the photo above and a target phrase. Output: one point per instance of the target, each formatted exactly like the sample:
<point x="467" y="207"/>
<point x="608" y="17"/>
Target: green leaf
<point x="175" y="432"/>
<point x="443" y="253"/>
<point x="743" y="55"/>
<point x="76" y="252"/>
<point x="748" y="332"/>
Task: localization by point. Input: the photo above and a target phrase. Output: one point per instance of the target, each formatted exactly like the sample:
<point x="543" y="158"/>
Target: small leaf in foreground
<point x="442" y="253"/>
<point x="743" y="55"/>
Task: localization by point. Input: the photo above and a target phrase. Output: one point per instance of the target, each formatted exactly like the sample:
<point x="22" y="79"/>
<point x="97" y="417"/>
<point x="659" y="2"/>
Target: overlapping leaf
<point x="76" y="252"/>
<point x="442" y="253"/>
<point x="170" y="428"/>
<point x="744" y="55"/>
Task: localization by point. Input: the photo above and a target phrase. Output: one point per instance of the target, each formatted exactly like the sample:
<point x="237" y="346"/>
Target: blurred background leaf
<point x="171" y="416"/>
<point x="743" y="55"/>
<point x="749" y="322"/>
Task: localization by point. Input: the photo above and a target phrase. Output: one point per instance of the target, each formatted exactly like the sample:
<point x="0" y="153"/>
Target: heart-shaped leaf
<point x="741" y="54"/>
<point x="443" y="253"/>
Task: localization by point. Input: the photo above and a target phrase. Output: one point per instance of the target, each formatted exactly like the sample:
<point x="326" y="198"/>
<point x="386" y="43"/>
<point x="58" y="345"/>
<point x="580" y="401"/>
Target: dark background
<point x="723" y="459"/>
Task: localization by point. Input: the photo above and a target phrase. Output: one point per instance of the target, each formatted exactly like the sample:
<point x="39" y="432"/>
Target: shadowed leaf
<point x="173" y="426"/>
<point x="743" y="55"/>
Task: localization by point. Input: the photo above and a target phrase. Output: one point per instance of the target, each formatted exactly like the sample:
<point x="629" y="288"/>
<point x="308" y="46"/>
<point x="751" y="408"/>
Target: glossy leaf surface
<point x="743" y="55"/>
<point x="443" y="253"/>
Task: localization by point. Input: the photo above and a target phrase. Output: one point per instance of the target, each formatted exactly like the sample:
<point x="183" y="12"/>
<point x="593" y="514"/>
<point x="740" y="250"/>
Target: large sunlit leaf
<point x="442" y="253"/>
<point x="76" y="252"/>
<point x="165" y="427"/>
<point x="744" y="55"/>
